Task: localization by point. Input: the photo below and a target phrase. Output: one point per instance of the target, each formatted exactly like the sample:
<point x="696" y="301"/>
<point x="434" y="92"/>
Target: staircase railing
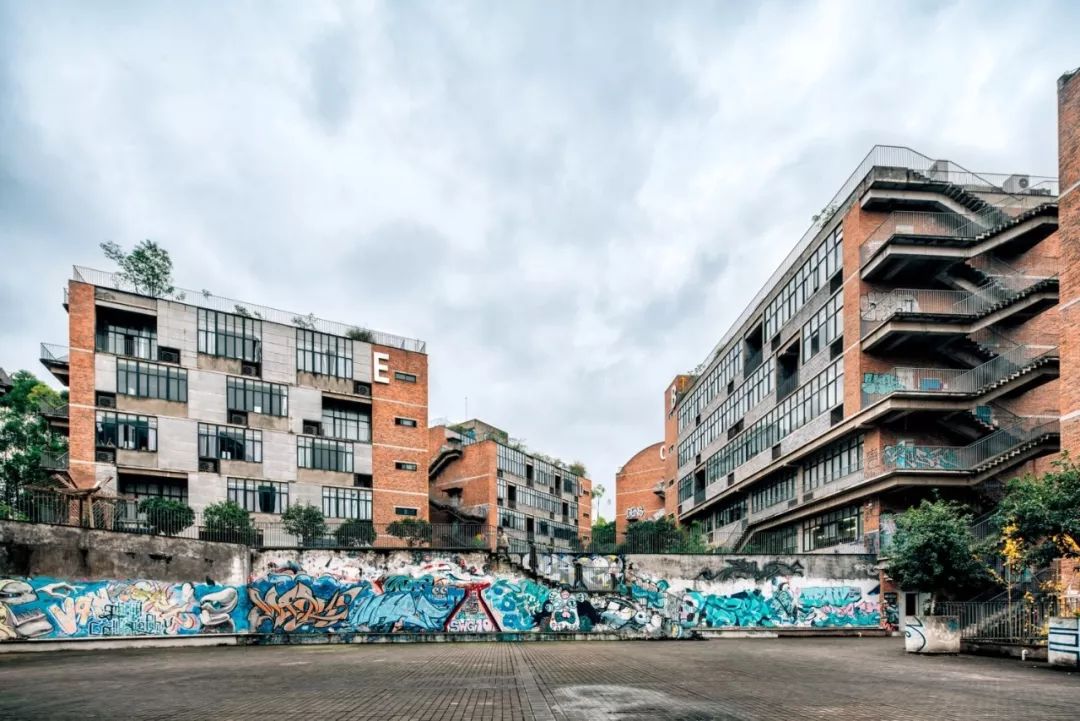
<point x="951" y="380"/>
<point x="961" y="458"/>
<point x="930" y="224"/>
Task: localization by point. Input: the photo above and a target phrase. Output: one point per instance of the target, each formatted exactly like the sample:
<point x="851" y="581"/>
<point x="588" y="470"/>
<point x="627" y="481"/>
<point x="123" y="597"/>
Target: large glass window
<point x="254" y="396"/>
<point x="711" y="385"/>
<point x="746" y="396"/>
<point x="813" y="274"/>
<point x="832" y="529"/>
<point x="230" y="336"/>
<point x="230" y="443"/>
<point x="151" y="380"/>
<point x="824" y="327"/>
<point x="773" y="492"/>
<point x="349" y="422"/>
<point x="324" y="454"/>
<point x="834" y="461"/>
<point x="324" y="354"/>
<point x="257" y="496"/>
<point x="127" y="431"/>
<point x="775" y="541"/>
<point x="346" y="503"/>
<point x="129" y="340"/>
<point x="146" y="488"/>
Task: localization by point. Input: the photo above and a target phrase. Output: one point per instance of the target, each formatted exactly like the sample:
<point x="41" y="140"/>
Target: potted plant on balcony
<point x="228" y="521"/>
<point x="1040" y="518"/>
<point x="934" y="552"/>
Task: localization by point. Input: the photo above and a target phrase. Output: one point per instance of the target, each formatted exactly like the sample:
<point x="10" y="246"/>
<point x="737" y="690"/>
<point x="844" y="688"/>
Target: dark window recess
<point x="775" y="341"/>
<point x="730" y="386"/>
<point x="787" y="371"/>
<point x="836" y="415"/>
<point x="312" y="428"/>
<point x="753" y="350"/>
<point x="168" y="355"/>
<point x="362" y="480"/>
<point x="250" y="369"/>
<point x="238" y="418"/>
<point x="699" y="486"/>
<point x="776" y="451"/>
<point x="730" y="480"/>
<point x="735" y="429"/>
<point x="407" y="422"/>
<point x="106" y="400"/>
<point x="105" y="456"/>
<point x="208" y="465"/>
<point x="400" y="511"/>
<point x="403" y="466"/>
<point x="836" y="282"/>
<point x="836" y="349"/>
<point x="406" y="377"/>
<point x="361" y="389"/>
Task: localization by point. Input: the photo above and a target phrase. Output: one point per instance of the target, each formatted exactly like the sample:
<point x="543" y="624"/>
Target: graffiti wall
<point x="355" y="592"/>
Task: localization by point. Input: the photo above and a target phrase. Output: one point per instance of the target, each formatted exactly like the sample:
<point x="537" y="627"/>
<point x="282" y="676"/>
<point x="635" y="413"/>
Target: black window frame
<point x="241" y="393"/>
<point x="232" y="335"/>
<point x="338" y="501"/>
<point x="248" y="494"/>
<point x="325" y="454"/>
<point x="405" y="377"/>
<point x="216" y="439"/>
<point x="406" y="422"/>
<point x="324" y="354"/>
<point x="406" y="466"/>
<point x="151" y="379"/>
<point x="142" y="427"/>
<point x="338" y="422"/>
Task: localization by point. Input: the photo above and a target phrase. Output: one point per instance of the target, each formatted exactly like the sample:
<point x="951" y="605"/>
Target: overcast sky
<point x="570" y="202"/>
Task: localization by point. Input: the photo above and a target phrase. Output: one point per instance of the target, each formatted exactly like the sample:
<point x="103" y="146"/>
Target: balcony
<point x="55" y="415"/>
<point x="927" y="316"/>
<point x="1013" y="370"/>
<point x="910" y="244"/>
<point x="659" y="490"/>
<point x="56" y="359"/>
<point x="54" y="461"/>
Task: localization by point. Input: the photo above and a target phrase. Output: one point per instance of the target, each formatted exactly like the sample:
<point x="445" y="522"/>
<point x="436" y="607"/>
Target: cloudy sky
<point x="570" y="202"/>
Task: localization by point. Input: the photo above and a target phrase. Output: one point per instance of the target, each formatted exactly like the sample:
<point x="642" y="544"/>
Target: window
<point x="150" y="380"/>
<point x="127" y="431"/>
<point x="229" y="443"/>
<point x="823" y="328"/>
<point x="401" y="511"/>
<point x="129" y="340"/>
<point x="353" y="503"/>
<point x="729" y="512"/>
<point x="407" y="422"/>
<point x="254" y="396"/>
<point x="711" y="385"/>
<point x="813" y="274"/>
<point x="324" y="454"/>
<point x="773" y="492"/>
<point x="403" y="466"/>
<point x="833" y="528"/>
<point x="256" y="496"/>
<point x="834" y="461"/>
<point x="230" y="336"/>
<point x="511" y="460"/>
<point x="158" y="488"/>
<point x="406" y="377"/>
<point x="349" y="422"/>
<point x="775" y="541"/>
<point x="324" y="354"/>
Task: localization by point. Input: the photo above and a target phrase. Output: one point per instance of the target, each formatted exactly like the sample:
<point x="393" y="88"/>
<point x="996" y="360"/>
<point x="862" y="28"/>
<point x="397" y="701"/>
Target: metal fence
<point x="1004" y="621"/>
<point x="962" y="458"/>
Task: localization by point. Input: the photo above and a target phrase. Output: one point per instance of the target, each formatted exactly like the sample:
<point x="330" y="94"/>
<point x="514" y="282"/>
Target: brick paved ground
<point x="791" y="679"/>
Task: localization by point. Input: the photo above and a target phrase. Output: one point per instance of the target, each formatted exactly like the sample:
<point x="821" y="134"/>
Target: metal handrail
<point x="963" y="458"/>
<point x="55" y="353"/>
<point x="929" y="224"/>
<point x="905" y="379"/>
<point x="205" y="299"/>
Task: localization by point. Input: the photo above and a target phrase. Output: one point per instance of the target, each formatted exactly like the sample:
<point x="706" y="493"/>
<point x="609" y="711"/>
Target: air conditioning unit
<point x="312" y="429"/>
<point x="249" y="369"/>
<point x="238" y="418"/>
<point x="1016" y="183"/>
<point x="105" y="456"/>
<point x="168" y="355"/>
<point x="208" y="465"/>
<point x="362" y="389"/>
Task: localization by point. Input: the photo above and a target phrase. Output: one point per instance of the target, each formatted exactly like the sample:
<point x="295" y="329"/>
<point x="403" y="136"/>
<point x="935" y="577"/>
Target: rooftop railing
<point x="205" y="299"/>
<point x="54" y="353"/>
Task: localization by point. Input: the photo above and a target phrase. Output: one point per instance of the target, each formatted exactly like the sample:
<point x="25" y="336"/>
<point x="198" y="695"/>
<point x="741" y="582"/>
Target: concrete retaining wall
<point x="132" y="586"/>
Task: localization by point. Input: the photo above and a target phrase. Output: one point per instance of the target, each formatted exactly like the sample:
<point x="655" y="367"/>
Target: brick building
<point x="480" y="476"/>
<point x="202" y="399"/>
<point x="1069" y="232"/>
<point x="910" y="340"/>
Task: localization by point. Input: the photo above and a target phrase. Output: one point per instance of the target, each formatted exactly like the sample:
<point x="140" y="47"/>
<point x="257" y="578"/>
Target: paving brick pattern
<point x="834" y="679"/>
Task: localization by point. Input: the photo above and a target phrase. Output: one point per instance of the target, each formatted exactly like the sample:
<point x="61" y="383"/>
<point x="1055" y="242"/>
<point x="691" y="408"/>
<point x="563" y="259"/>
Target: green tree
<point x="306" y="521"/>
<point x="934" y="551"/>
<point x="1040" y="515"/>
<point x="660" y="536"/>
<point x="413" y="531"/>
<point x="148" y="267"/>
<point x="166" y="515"/>
<point x="27" y="393"/>
<point x="227" y="521"/>
<point x="355" y="532"/>
<point x="578" y="468"/>
<point x="603" y="536"/>
<point x="25" y="437"/>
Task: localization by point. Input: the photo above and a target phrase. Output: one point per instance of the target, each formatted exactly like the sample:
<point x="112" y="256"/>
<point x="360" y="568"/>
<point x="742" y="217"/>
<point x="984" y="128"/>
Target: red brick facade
<point x="635" y="487"/>
<point x="81" y="414"/>
<point x="1069" y="233"/>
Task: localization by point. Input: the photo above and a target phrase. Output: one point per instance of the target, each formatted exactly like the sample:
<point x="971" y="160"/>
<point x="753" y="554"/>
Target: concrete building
<point x="480" y="476"/>
<point x="202" y="399"/>
<point x="909" y="341"/>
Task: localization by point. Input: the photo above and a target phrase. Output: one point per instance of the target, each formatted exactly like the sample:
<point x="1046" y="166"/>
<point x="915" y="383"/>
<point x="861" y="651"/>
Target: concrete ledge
<point x="287" y="639"/>
<point x="783" y="632"/>
<point x="1004" y="650"/>
<point x="97" y="644"/>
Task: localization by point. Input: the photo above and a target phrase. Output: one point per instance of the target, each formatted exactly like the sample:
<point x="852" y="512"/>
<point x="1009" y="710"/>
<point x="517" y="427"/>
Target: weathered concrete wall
<point x="136" y="586"/>
<point x="64" y="552"/>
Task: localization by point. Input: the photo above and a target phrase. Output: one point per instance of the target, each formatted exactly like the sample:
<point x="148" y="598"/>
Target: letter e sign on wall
<point x="380" y="367"/>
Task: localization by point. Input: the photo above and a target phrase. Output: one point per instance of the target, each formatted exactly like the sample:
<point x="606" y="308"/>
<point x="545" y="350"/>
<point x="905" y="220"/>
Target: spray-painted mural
<point x="50" y="608"/>
<point x="346" y="592"/>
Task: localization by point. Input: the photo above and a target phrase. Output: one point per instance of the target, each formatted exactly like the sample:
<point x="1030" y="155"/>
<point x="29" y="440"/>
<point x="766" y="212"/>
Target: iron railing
<point x="48" y="410"/>
<point x="205" y="299"/>
<point x="911" y="223"/>
<point x="961" y="458"/>
<point x="1024" y="621"/>
<point x="901" y="379"/>
<point x="54" y="461"/>
<point x="54" y="353"/>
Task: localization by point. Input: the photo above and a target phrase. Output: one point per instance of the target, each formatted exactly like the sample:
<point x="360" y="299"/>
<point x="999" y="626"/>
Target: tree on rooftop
<point x="147" y="266"/>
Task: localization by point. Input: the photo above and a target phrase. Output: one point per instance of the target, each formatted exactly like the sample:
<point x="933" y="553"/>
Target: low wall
<point x="350" y="594"/>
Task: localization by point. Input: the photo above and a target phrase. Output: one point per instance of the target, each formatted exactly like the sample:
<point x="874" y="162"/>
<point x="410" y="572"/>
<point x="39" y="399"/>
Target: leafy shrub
<point x="227" y="521"/>
<point x="411" y="530"/>
<point x="355" y="533"/>
<point x="306" y="521"/>
<point x="166" y="515"/>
